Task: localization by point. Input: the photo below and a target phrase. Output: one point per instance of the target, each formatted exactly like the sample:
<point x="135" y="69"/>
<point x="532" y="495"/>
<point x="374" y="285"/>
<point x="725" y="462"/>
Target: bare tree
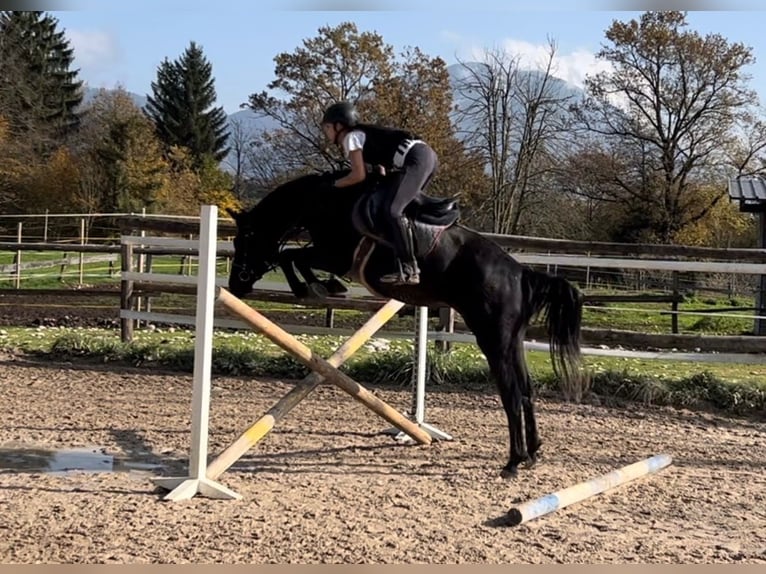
<point x="240" y="140"/>
<point x="266" y="165"/>
<point x="516" y="121"/>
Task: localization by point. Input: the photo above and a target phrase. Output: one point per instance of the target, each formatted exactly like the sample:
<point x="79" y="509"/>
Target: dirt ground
<point x="327" y="486"/>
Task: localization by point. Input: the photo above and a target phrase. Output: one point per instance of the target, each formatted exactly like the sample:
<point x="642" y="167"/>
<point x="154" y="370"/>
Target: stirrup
<point x="402" y="277"/>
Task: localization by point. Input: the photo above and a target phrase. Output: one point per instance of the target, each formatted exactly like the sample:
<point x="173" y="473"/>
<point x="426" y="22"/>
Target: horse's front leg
<point x="287" y="264"/>
<point x="313" y="258"/>
<point x="306" y="262"/>
<point x="302" y="259"/>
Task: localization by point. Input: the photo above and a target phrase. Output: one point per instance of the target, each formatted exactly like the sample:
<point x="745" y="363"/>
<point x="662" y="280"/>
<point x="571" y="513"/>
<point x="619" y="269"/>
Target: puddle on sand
<point x="94" y="459"/>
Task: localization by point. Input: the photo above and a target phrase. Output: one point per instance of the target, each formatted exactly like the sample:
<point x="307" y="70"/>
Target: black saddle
<point x="427" y="210"/>
<point x="428" y="216"/>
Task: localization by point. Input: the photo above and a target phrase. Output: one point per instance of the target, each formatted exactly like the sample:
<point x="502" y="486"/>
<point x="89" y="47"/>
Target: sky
<point x="115" y="46"/>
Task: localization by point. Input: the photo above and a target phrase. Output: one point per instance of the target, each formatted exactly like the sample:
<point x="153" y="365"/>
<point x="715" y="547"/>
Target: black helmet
<point x="342" y="113"/>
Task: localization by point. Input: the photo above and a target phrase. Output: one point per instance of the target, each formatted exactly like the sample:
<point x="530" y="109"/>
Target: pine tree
<point x="181" y="106"/>
<point x="39" y="90"/>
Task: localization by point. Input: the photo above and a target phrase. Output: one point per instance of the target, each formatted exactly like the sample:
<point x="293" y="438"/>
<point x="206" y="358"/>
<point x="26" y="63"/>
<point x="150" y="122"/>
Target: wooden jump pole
<point x="579" y="492"/>
<point x="265" y="424"/>
<point x="301" y="352"/>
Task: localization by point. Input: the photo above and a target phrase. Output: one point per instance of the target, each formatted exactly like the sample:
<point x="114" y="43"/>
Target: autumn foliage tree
<point x="191" y="184"/>
<point x="121" y="157"/>
<point x="342" y="63"/>
<point x="662" y="119"/>
<point x="723" y="225"/>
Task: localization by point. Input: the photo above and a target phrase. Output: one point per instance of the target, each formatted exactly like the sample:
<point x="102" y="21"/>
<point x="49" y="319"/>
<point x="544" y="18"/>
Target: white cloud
<point x="572" y="67"/>
<point x="94" y="50"/>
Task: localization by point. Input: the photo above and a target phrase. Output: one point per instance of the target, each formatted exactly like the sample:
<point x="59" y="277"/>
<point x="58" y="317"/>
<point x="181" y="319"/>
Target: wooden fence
<point x="560" y="254"/>
<point x="553" y="254"/>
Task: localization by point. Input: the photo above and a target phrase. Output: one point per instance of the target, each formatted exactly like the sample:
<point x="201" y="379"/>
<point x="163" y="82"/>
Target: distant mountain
<point x="91" y="93"/>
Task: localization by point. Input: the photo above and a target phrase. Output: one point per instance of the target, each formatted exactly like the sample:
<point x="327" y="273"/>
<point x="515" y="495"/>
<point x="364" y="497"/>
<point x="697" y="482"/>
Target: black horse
<point x="460" y="268"/>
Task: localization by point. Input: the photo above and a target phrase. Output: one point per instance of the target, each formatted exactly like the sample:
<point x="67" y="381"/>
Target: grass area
<point x="735" y="389"/>
<point x="95" y="273"/>
<point x="655" y="317"/>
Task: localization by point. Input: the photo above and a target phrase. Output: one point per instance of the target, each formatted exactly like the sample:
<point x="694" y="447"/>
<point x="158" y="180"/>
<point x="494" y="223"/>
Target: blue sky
<point x="124" y="46"/>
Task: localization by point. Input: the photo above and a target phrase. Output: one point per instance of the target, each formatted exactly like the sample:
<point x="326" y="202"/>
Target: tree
<point x="665" y="114"/>
<point x="16" y="166"/>
<point x="514" y="119"/>
<point x="419" y="97"/>
<point x="339" y="64"/>
<point x="747" y="154"/>
<point x="722" y="226"/>
<point x="180" y="106"/>
<point x="38" y="88"/>
<point x="241" y="140"/>
<point x="52" y="185"/>
<point x="121" y="157"/>
<point x="191" y="185"/>
<point x="342" y="63"/>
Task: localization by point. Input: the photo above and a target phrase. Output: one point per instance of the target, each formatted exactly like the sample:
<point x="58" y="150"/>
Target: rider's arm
<point x="354" y="142"/>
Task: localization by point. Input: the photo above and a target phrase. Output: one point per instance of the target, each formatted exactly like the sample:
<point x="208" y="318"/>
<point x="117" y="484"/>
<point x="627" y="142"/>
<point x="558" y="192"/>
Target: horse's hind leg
<point x="497" y="341"/>
<point x="527" y="400"/>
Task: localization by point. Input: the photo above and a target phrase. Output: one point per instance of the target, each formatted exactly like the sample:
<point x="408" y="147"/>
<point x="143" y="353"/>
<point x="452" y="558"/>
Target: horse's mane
<point x="288" y="195"/>
<point x="293" y="194"/>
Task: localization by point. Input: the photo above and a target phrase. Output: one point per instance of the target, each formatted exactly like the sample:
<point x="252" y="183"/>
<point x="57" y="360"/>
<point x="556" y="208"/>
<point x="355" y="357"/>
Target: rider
<point x="409" y="163"/>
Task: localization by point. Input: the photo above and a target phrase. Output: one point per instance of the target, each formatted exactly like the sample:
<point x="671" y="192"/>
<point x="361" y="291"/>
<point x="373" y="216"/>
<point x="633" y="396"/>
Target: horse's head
<point x="253" y="258"/>
<point x="262" y="230"/>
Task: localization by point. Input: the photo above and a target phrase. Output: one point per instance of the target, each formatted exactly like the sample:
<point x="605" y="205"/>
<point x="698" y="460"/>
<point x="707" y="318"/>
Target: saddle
<point x="428" y="217"/>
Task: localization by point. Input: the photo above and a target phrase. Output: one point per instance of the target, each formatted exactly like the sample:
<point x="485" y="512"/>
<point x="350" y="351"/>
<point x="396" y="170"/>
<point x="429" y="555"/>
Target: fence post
<point x="148" y="263"/>
<point x="446" y="324"/>
<point x="82" y="255"/>
<point x="190" y="270"/>
<point x="62" y="269"/>
<point x="141" y="269"/>
<point x="674" y="304"/>
<point x="126" y="292"/>
<point x="329" y="317"/>
<point x="18" y="256"/>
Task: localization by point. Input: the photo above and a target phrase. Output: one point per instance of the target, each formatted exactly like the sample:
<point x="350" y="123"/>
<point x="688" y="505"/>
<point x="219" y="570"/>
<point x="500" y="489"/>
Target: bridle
<point x="244" y="272"/>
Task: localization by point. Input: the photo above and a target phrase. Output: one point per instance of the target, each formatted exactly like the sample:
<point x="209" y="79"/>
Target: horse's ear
<point x="233" y="214"/>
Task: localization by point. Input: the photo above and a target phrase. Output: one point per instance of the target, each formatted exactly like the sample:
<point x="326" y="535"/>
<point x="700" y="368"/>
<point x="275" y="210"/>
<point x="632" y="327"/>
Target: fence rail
<point x="135" y="252"/>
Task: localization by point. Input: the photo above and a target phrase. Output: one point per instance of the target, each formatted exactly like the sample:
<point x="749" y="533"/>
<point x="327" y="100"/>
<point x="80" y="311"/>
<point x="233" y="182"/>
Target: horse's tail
<point x="559" y="304"/>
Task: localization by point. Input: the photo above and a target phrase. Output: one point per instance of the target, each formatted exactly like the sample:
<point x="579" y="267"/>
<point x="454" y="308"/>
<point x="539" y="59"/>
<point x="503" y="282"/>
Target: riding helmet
<point x="341" y="113"/>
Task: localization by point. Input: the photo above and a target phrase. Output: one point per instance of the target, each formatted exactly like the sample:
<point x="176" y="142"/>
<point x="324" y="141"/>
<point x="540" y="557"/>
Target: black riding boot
<point x="401" y="236"/>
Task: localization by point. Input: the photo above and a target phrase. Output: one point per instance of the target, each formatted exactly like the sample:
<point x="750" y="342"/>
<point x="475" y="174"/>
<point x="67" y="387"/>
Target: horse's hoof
<point x="318" y="290"/>
<point x="530" y="462"/>
<point x="301" y="291"/>
<point x="335" y="287"/>
<point x="509" y="473"/>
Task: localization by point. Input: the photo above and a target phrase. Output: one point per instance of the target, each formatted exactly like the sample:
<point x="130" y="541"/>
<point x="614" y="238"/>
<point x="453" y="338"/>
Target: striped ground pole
<point x="579" y="492"/>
